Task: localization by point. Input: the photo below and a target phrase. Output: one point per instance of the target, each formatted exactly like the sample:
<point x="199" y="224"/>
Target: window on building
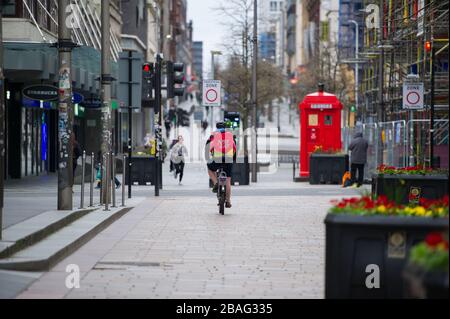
<point x="9" y="9"/>
<point x="273" y="6"/>
<point x="137" y="17"/>
<point x="324" y="31"/>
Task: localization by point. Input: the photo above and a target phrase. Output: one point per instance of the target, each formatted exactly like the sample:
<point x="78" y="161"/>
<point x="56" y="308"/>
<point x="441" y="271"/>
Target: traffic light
<point x="174" y="76"/>
<point x="353" y="108"/>
<point x="148" y="73"/>
<point x="183" y="117"/>
<point x="428" y="46"/>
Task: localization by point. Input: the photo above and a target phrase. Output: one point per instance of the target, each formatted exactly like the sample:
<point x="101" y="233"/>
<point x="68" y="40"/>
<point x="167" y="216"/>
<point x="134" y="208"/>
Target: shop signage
<point x="38" y="104"/>
<point x="41" y="92"/>
<point x="92" y="103"/>
<point x="321" y="106"/>
<point x="77" y="98"/>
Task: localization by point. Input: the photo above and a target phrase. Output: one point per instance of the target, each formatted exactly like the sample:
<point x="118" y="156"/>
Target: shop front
<point x="31" y="127"/>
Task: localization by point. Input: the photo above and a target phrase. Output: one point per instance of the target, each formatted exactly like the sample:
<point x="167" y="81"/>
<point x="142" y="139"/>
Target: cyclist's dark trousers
<point x="179" y="169"/>
<point x="360" y="169"/>
<point x="227" y="167"/>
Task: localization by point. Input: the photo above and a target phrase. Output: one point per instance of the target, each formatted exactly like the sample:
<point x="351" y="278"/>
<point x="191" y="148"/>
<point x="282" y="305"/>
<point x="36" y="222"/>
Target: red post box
<point x="320" y="126"/>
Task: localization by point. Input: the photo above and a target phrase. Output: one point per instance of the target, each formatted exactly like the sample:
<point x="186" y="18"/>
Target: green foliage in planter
<point x="410" y="170"/>
<point x="432" y="254"/>
<point x="318" y="149"/>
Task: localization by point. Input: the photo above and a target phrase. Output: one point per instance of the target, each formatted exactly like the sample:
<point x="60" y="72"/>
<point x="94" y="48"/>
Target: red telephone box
<point x="320" y="125"/>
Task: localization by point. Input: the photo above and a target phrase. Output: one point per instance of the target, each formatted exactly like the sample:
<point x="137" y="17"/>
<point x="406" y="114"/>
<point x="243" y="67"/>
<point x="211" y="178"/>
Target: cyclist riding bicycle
<point x="221" y="153"/>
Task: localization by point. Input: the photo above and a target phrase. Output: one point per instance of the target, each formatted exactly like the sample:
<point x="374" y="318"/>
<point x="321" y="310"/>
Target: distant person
<point x="172" y="144"/>
<point x="177" y="157"/>
<point x="76" y="153"/>
<point x="204" y="126"/>
<point x="98" y="166"/>
<point x="167" y="124"/>
<point x="358" y="158"/>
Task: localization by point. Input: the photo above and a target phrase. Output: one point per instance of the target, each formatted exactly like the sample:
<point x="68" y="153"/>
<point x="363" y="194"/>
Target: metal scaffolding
<point x="397" y="49"/>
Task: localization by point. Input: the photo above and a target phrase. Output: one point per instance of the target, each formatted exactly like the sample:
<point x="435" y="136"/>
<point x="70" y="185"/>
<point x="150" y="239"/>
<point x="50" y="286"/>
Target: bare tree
<point x="335" y="77"/>
<point x="238" y="44"/>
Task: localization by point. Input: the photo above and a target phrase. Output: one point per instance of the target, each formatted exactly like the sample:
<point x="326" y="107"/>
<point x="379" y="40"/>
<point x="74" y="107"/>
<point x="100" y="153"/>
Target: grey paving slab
<point x="58" y="241"/>
<point x="13" y="282"/>
<point x="31" y="196"/>
<point x="177" y="246"/>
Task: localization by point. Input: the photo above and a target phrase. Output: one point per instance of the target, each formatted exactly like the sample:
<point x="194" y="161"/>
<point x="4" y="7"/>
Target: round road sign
<point x="211" y="95"/>
<point x="413" y="97"/>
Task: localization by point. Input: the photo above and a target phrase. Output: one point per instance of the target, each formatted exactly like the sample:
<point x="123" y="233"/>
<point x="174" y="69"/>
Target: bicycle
<point x="221" y="190"/>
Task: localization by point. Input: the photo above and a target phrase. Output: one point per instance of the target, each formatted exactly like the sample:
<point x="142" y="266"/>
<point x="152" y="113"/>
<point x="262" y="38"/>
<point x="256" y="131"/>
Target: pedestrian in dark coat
<point x="76" y="153"/>
<point x="358" y="158"/>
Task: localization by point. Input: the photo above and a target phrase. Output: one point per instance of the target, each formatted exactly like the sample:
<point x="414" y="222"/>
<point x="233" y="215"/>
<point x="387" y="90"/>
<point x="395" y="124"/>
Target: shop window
<point x="9" y="9"/>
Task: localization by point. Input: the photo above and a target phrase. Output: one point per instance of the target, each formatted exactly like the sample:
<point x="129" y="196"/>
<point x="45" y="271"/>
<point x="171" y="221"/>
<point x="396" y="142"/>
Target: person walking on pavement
<point x="76" y="153"/>
<point x="172" y="166"/>
<point x="358" y="158"/>
<point x="98" y="166"/>
<point x="177" y="157"/>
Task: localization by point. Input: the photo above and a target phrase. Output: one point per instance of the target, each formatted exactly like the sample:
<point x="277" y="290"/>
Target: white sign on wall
<point x="413" y="96"/>
<point x="420" y="17"/>
<point x="211" y="93"/>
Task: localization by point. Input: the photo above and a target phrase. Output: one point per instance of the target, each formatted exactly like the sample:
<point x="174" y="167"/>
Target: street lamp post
<point x="65" y="111"/>
<point x="356" y="64"/>
<point x="433" y="52"/>
<point x="2" y="119"/>
<point x="255" y="92"/>
<point x="105" y="80"/>
<point x="213" y="53"/>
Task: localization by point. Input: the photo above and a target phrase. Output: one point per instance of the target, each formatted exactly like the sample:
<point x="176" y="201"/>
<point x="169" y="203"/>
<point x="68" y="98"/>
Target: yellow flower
<point x="429" y="213"/>
<point x="420" y="211"/>
<point x="440" y="210"/>
<point x="381" y="209"/>
<point x="409" y="210"/>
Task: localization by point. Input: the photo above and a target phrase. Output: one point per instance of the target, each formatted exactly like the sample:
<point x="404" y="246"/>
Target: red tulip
<point x="434" y="239"/>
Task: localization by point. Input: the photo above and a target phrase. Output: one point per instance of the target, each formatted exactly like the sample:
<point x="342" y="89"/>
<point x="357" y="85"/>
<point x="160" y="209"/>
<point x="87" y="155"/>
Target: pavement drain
<point x="124" y="265"/>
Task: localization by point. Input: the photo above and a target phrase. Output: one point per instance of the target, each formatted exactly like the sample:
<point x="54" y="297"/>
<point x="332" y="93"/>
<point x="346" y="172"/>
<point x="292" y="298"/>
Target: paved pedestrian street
<point x="270" y="244"/>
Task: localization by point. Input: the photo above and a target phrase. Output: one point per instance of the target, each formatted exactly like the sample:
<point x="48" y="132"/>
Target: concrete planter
<point x="143" y="170"/>
<point x="421" y="284"/>
<point x="355" y="243"/>
<point x="327" y="168"/>
<point x="406" y="188"/>
<point x="241" y="172"/>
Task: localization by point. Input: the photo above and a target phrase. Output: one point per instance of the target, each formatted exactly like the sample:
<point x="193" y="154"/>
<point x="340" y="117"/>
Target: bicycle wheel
<point x="222" y="200"/>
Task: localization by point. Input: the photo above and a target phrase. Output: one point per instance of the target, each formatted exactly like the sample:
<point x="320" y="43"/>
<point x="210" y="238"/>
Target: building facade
<point x="29" y="30"/>
<point x="272" y="20"/>
<point x="410" y="43"/>
<point x="197" y="56"/>
<point x="302" y="36"/>
<point x="134" y="38"/>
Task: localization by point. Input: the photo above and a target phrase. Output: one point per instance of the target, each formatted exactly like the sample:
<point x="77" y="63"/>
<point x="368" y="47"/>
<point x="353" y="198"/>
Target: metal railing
<point x="106" y="167"/>
<point x="399" y="143"/>
<point x="419" y="139"/>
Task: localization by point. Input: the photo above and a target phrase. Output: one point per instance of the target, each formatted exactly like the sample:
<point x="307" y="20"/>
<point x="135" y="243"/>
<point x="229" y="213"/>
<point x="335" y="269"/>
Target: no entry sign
<point x="413" y="96"/>
<point x="211" y="93"/>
